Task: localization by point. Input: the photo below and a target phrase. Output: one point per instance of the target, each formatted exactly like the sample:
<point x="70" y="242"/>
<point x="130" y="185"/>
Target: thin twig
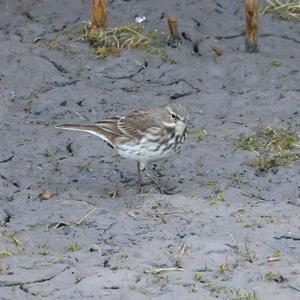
<point x="179" y="254"/>
<point x="82" y="219"/>
<point x="159" y="270"/>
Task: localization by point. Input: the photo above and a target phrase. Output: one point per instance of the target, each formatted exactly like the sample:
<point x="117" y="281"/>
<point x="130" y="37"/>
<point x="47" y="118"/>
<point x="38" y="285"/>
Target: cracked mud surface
<point x="113" y="252"/>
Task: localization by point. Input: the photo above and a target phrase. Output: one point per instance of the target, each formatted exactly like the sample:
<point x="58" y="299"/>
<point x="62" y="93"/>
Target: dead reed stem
<point x="174" y="39"/>
<point x="252" y="20"/>
<point x="99" y="14"/>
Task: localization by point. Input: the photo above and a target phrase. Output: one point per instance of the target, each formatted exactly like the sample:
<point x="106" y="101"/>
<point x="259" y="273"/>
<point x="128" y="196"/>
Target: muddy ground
<point x="221" y="248"/>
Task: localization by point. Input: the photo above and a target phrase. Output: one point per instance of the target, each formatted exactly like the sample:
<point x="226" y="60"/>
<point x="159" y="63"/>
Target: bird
<point x="144" y="135"/>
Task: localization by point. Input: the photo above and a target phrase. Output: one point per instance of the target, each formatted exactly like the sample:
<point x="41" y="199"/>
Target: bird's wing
<point x="109" y="128"/>
<point x="139" y="122"/>
<point x="132" y="126"/>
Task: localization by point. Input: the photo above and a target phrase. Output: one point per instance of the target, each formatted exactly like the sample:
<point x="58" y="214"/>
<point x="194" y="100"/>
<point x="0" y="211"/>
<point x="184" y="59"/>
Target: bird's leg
<point x="141" y="169"/>
<point x="155" y="181"/>
<point x="141" y="183"/>
<point x="140" y="179"/>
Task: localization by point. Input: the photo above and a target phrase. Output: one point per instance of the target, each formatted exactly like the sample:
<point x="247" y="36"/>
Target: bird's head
<point x="177" y="117"/>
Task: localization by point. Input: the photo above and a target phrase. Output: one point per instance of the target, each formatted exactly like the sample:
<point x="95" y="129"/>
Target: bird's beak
<point x="186" y="121"/>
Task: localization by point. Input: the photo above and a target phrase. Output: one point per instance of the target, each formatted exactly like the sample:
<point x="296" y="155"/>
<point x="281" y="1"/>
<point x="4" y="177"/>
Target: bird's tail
<point x="86" y="128"/>
<point x="92" y="129"/>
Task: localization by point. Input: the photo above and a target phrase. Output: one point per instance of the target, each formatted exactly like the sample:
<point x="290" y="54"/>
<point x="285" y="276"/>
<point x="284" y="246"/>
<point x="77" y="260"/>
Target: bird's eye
<point x="173" y="116"/>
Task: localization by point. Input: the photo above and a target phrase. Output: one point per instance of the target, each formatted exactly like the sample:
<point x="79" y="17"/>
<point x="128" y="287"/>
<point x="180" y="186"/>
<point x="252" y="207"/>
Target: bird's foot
<point x="169" y="191"/>
<point x="157" y="171"/>
<point x="165" y="191"/>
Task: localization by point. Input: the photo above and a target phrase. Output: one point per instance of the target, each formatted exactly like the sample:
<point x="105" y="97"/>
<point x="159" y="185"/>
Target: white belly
<point x="147" y="151"/>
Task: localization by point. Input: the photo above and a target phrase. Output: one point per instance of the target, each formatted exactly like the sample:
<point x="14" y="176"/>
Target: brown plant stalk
<point x="174" y="39"/>
<point x="252" y="22"/>
<point x="99" y="14"/>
